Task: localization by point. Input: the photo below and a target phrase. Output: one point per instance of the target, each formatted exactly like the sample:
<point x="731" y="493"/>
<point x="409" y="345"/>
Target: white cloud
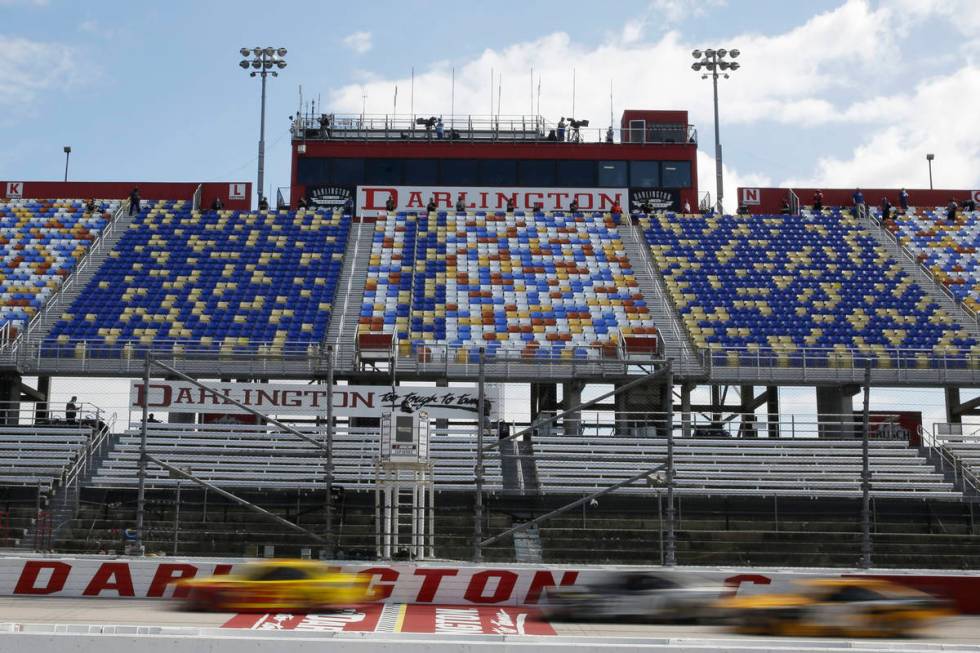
<point x="359" y="42"/>
<point x="674" y="11"/>
<point x="90" y="26"/>
<point x="33" y="67"/>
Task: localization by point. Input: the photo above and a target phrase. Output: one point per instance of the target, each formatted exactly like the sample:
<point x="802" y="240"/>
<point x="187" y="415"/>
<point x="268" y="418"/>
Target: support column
<point x="772" y="408"/>
<point x="41" y="407"/>
<point x="10" y="398"/>
<point x="716" y="407"/>
<point x="442" y="424"/>
<point x="640" y="412"/>
<point x="544" y="402"/>
<point x="835" y="410"/>
<point x="747" y="428"/>
<point x="572" y="396"/>
<point x="686" y="409"/>
<point x="952" y="403"/>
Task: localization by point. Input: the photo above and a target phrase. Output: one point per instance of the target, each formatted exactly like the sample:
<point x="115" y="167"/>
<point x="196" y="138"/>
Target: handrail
<point x="934" y="444"/>
<point x="350" y="281"/>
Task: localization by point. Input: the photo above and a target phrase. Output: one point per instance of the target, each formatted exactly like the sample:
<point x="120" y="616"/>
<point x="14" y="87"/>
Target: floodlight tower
<point x="263" y="61"/>
<point x="714" y="62"/>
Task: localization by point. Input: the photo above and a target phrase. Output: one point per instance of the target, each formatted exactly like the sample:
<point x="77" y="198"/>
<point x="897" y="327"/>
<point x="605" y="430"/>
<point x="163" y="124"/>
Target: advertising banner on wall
<point x="415" y="198"/>
<point x="294" y="399"/>
<point x="658" y="199"/>
<point x="328" y="197"/>
<point x="900" y="425"/>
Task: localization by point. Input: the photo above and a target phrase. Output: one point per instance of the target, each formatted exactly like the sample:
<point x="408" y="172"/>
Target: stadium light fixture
<point x="929" y="159"/>
<point x="262" y="63"/>
<point x="712" y="61"/>
<point x="67" y="150"/>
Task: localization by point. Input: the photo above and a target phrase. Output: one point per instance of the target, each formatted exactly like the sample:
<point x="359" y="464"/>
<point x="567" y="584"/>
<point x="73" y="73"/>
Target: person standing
<point x="951" y="210"/>
<point x="431" y="206"/>
<point x="818" y="201"/>
<point x="858" y="199"/>
<point x="573" y="207"/>
<point x="390" y="203"/>
<point x="561" y="130"/>
<point x="134" y="200"/>
<point x="440" y="129"/>
<point x="71" y="410"/>
<point x="511" y="204"/>
<point x="460" y="204"/>
<point x="903" y="200"/>
<point x="217" y="204"/>
<point x="886" y="209"/>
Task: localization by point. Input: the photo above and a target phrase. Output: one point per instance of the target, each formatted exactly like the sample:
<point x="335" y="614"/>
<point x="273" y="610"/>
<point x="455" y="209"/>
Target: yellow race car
<point x="276" y="585"/>
<point x="844" y="607"/>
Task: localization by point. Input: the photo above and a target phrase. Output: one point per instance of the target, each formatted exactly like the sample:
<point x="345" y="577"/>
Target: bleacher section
<point x="546" y="285"/>
<point x="948" y="250"/>
<point x="964" y="452"/>
<point x="40" y="243"/>
<point x="254" y="457"/>
<point x="37" y="456"/>
<point x="782" y="284"/>
<point x="227" y="281"/>
<point x="807" y="467"/>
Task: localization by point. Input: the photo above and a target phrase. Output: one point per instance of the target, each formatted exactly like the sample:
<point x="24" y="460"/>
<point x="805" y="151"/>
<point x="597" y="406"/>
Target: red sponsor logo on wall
<point x="474" y="620"/>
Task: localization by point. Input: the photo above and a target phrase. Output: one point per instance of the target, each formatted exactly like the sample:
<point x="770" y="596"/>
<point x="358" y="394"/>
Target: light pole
<point x="67" y="154"/>
<point x="263" y="61"/>
<point x="712" y="61"/>
<point x="929" y="158"/>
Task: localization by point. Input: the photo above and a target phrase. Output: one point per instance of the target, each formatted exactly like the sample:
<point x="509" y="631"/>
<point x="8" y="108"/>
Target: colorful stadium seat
<point x="779" y="284"/>
<point x="949" y="250"/>
<point x="224" y="281"/>
<point x="543" y="285"/>
<point x="40" y="243"/>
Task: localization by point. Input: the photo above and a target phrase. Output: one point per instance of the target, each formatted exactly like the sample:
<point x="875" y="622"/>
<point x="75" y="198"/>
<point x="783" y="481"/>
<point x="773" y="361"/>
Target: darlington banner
<point x="447" y="583"/>
<point x="415" y="198"/>
<point x="293" y="399"/>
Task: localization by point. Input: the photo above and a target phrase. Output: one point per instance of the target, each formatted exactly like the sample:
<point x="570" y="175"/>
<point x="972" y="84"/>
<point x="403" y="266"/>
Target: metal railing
<point x="936" y="445"/>
<point x="898" y="359"/>
<point x="468" y="128"/>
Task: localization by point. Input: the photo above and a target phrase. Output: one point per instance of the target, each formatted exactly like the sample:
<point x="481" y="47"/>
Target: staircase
<point x="40" y="326"/>
<point x="350" y="293"/>
<point x="912" y="268"/>
<point x="677" y="345"/>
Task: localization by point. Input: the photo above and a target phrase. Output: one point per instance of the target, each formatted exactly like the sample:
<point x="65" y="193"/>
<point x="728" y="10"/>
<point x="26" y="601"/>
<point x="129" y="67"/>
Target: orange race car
<point x="277" y="585"/>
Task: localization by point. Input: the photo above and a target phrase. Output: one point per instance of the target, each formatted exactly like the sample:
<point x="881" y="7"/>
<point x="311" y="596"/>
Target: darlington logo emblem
<point x="658" y="199"/>
<point x="330" y="196"/>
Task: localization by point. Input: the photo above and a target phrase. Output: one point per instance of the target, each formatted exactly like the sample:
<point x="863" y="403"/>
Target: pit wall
<point x="437" y="583"/>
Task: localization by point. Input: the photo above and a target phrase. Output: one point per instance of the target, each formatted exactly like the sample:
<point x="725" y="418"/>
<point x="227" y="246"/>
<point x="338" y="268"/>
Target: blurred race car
<point x="632" y="595"/>
<point x="275" y="585"/>
<point x="845" y="607"/>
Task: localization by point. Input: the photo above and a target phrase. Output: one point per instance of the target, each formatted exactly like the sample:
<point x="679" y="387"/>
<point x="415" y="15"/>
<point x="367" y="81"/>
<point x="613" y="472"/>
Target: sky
<point x="831" y="93"/>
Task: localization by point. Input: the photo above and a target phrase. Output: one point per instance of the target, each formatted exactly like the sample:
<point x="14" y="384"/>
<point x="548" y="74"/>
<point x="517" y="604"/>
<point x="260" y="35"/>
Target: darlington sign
<point x="286" y="399"/>
<point x="414" y="198"/>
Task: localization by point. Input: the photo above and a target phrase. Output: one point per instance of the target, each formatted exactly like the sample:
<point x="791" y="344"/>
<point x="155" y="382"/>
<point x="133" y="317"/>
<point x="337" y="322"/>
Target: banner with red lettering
<point x="457" y="402"/>
<point x="371" y="199"/>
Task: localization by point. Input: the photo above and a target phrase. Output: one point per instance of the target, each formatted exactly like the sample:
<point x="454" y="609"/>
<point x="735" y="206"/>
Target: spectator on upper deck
<point x="325" y="125"/>
<point x="784" y="209"/>
<point x="886" y="209"/>
<point x="561" y="129"/>
<point x="616" y="211"/>
<point x="903" y="200"/>
<point x="511" y="204"/>
<point x="390" y="203"/>
<point x="90" y="206"/>
<point x="969" y="204"/>
<point x="460" y="204"/>
<point x="71" y="410"/>
<point x="858" y="199"/>
<point x="818" y="201"/>
<point x="217" y="204"/>
<point x="431" y="206"/>
<point x="687" y="206"/>
<point x="134" y="200"/>
<point x="609" y="134"/>
<point x="951" y="210"/>
<point x="573" y="207"/>
<point x="263" y="204"/>
<point x="646" y="207"/>
<point x="301" y="204"/>
<point x="440" y="129"/>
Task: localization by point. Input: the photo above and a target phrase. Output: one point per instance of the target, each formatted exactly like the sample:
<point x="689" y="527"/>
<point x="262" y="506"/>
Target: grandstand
<point x="652" y="303"/>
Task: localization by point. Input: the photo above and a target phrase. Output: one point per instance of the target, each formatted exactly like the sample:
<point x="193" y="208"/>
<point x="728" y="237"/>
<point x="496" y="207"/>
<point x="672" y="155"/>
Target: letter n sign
<point x="750" y="196"/>
<point x="236" y="191"/>
<point x="15" y="190"/>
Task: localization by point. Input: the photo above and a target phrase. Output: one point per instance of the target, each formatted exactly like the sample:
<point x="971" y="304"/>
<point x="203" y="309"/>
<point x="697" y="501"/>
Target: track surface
<point x="956" y="630"/>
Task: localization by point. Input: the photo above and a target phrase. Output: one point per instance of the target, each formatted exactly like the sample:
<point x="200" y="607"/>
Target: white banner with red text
<point x="476" y="198"/>
<point x="458" y="402"/>
<point x="437" y="584"/>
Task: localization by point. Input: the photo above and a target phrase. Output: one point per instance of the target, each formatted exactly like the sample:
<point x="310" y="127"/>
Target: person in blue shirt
<point x="440" y="129"/>
<point x="561" y="129"/>
<point x="903" y="200"/>
<point x="858" y="199"/>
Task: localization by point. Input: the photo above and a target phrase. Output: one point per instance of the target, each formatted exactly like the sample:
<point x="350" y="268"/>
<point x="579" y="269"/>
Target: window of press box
<point x="675" y="174"/>
<point x="313" y="171"/>
<point x="612" y="174"/>
<point x="645" y="174"/>
<point x="498" y="172"/>
<point x="537" y="172"/>
<point x="460" y="172"/>
<point x="573" y="173"/>
<point x="383" y="171"/>
<point x="347" y="172"/>
<point x="421" y="172"/>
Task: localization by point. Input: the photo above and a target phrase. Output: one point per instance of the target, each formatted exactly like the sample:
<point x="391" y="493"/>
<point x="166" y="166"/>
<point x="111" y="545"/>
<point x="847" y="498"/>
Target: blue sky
<point x="833" y="93"/>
